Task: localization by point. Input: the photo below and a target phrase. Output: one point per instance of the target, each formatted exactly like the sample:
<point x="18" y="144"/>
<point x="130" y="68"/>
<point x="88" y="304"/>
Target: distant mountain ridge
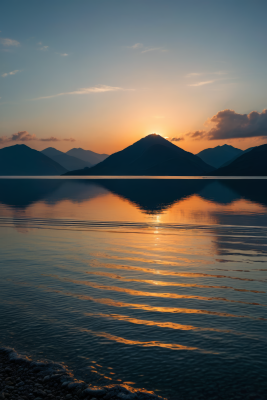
<point x="250" y="163"/>
<point x="87" y="155"/>
<point x="232" y="159"/>
<point x="219" y="155"/>
<point x="151" y="155"/>
<point x="68" y="162"/>
<point x="22" y="160"/>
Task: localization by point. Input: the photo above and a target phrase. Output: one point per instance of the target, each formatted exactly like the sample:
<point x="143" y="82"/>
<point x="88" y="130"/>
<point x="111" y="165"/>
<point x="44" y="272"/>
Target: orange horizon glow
<point x="118" y="144"/>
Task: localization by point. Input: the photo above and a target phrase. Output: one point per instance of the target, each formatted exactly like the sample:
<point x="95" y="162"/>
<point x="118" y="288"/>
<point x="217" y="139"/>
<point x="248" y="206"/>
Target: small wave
<point x="96" y="263"/>
<point x="140" y="293"/>
<point x="118" y="339"/>
<point x="54" y="223"/>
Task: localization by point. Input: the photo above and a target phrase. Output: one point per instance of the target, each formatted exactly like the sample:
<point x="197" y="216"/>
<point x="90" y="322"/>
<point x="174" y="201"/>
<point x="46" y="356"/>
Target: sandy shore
<point x="24" y="379"/>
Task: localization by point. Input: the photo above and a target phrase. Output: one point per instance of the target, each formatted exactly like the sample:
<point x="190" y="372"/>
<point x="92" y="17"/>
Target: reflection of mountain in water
<point x="218" y="192"/>
<point x="149" y="195"/>
<point x="21" y="193"/>
<point x="154" y="195"/>
<point x="254" y="190"/>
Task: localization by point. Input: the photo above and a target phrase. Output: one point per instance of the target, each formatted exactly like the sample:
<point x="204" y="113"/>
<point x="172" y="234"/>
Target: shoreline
<point x="24" y="379"/>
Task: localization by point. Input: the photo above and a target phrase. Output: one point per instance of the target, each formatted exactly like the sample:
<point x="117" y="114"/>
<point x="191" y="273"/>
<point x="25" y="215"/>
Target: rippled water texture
<point x="158" y="284"/>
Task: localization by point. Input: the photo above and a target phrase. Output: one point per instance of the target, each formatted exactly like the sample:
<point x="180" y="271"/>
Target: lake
<point x="157" y="284"/>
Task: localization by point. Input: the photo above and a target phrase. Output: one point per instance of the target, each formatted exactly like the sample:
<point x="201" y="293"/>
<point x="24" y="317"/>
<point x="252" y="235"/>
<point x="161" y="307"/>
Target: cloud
<point x="54" y="139"/>
<point x="146" y="49"/>
<point x="176" y="139"/>
<point x="10" y="73"/>
<point x="192" y="74"/>
<point x="44" y="48"/>
<point x="9" y="42"/>
<point x="197" y="134"/>
<point x="51" y="139"/>
<point x="24" y="136"/>
<point x="201" y="83"/>
<point x="94" y="89"/>
<point x="230" y="125"/>
<point x="136" y="46"/>
<point x="154" y="49"/>
<point x="63" y="54"/>
<point x="220" y="73"/>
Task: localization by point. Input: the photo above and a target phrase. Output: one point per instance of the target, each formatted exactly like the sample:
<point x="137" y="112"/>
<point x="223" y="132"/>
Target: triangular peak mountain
<point x="151" y="155"/>
<point x="22" y="160"/>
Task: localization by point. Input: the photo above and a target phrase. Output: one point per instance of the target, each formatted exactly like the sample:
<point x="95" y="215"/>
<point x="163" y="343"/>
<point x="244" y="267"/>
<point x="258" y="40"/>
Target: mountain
<point x="22" y="160"/>
<point x="252" y="163"/>
<point x="152" y="155"/>
<point x="68" y="162"/>
<point x="234" y="158"/>
<point x="217" y="156"/>
<point x="87" y="155"/>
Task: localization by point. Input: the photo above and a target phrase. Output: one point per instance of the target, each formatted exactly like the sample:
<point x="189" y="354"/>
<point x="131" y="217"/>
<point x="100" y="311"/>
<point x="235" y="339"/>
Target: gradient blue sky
<point x="108" y="72"/>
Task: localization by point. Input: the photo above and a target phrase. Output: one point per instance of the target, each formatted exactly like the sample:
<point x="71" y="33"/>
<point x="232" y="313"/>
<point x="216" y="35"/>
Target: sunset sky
<point x="102" y="74"/>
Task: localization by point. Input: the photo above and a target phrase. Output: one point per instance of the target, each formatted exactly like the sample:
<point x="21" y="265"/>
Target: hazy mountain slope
<point x="87" y="155"/>
<point x="152" y="155"/>
<point x="22" y="160"/>
<point x="219" y="155"/>
<point x="68" y="162"/>
<point x="234" y="158"/>
<point x="252" y="163"/>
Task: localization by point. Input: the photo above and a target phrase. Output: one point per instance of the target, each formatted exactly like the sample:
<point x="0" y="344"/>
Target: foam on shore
<point x="50" y="373"/>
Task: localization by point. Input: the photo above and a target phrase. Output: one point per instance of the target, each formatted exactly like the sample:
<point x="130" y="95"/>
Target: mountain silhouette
<point x="252" y="163"/>
<point x="234" y="158"/>
<point x="22" y="160"/>
<point x="219" y="155"/>
<point x="68" y="162"/>
<point x="152" y="155"/>
<point x="87" y="155"/>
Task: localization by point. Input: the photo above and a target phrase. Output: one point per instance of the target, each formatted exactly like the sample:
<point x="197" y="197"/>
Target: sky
<point x="102" y="74"/>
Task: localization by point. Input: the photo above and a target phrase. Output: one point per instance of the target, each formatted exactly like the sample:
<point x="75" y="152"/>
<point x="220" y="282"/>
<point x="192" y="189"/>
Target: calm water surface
<point x="156" y="284"/>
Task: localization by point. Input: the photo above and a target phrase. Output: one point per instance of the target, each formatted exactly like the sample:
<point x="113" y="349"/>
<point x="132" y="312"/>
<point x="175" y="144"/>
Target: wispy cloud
<point x="136" y="46"/>
<point x="176" y="139"/>
<point x="24" y="136"/>
<point x="43" y="48"/>
<point x="63" y="54"/>
<point x="160" y="49"/>
<point x="201" y="83"/>
<point x="10" y="73"/>
<point x="9" y="42"/>
<point x="140" y="46"/>
<point x="54" y="139"/>
<point x="192" y="74"/>
<point x="94" y="89"/>
<point x="220" y="73"/>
